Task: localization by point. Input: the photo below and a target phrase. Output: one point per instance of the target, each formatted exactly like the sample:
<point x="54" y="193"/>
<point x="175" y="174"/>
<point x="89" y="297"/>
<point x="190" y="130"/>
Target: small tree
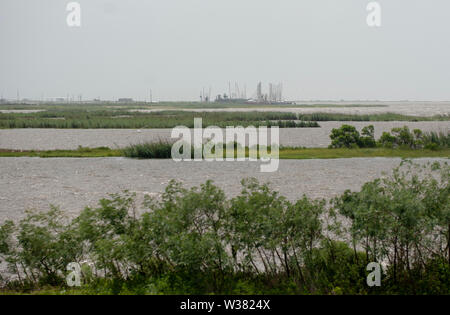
<point x="345" y="137"/>
<point x="368" y="137"/>
<point x="387" y="140"/>
<point x="403" y="137"/>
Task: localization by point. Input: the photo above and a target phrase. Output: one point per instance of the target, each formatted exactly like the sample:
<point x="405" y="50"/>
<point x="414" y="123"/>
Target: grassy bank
<point x="162" y="151"/>
<point x="78" y="153"/>
<point x="324" y="153"/>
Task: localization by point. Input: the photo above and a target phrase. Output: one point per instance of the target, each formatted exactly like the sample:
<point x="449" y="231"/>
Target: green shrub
<point x="196" y="241"/>
<point x="345" y="137"/>
<point x="403" y="219"/>
<point x="348" y="137"/>
<point x="368" y="137"/>
<point x="40" y="247"/>
<point x="417" y="139"/>
<point x="387" y="140"/>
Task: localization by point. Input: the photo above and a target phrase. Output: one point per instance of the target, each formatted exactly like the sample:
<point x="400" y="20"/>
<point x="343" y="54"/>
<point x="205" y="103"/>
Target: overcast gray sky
<point x="319" y="49"/>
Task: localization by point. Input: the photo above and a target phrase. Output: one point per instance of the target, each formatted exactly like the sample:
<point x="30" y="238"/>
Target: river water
<point x="50" y="139"/>
<point x="72" y="184"/>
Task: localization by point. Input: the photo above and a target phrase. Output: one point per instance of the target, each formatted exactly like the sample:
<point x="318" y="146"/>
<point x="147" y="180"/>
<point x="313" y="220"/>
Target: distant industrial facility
<point x="238" y="95"/>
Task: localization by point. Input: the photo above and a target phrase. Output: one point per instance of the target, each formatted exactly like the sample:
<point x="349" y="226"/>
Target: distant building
<point x="125" y="100"/>
<point x="238" y="96"/>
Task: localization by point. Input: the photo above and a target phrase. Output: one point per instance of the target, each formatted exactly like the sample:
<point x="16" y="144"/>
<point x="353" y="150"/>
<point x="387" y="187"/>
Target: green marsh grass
<point x="169" y="115"/>
<point x="368" y="117"/>
<point x="121" y="119"/>
<point x="162" y="151"/>
<point x="149" y="150"/>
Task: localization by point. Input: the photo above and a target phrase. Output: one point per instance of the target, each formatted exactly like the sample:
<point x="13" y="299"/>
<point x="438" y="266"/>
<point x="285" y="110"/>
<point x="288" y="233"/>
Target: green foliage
<point x="368" y="117"/>
<point x="404" y="220"/>
<point x="149" y="150"/>
<point x="41" y="249"/>
<point x="337" y="269"/>
<point x="367" y="140"/>
<point x="117" y="118"/>
<point x="169" y="115"/>
<point x="196" y="241"/>
<point x="348" y="137"/>
<point x="417" y="139"/>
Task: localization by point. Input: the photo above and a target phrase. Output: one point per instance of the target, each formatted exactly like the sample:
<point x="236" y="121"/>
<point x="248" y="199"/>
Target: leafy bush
<point x="345" y="137"/>
<point x="348" y="137"/>
<point x="368" y="137"/>
<point x="196" y="241"/>
<point x="41" y="249"/>
<point x="403" y="220"/>
<point x="417" y="139"/>
<point x="402" y="137"/>
<point x="433" y="140"/>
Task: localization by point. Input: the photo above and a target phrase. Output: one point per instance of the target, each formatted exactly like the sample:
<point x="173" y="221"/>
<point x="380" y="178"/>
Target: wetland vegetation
<point x="198" y="241"/>
<point x="94" y="116"/>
